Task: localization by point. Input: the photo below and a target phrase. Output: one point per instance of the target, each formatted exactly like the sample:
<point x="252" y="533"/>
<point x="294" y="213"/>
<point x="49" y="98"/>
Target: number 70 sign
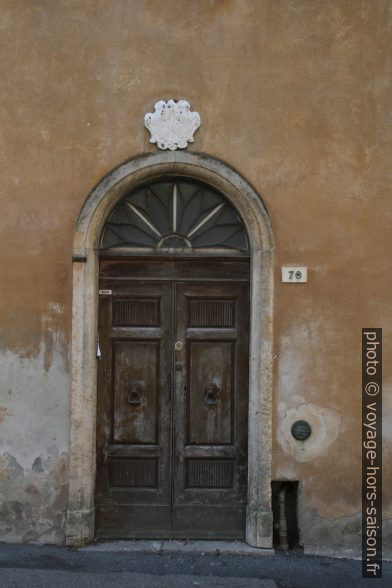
<point x="294" y="275"/>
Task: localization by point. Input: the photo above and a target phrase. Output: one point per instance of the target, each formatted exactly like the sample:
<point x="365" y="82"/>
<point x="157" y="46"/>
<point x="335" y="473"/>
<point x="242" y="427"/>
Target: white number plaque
<point x="294" y="275"/>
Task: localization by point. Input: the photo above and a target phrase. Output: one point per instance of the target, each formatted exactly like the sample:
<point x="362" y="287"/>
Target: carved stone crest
<point x="172" y="125"/>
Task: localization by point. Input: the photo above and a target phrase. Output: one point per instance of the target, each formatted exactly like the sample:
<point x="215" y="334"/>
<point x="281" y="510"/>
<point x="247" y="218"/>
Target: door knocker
<point x="211" y="394"/>
<point x="134" y="395"/>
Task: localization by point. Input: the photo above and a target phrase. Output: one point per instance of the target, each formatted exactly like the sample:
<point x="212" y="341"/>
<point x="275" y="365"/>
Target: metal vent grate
<point x="211" y="313"/>
<point x="136" y="313"/>
<point x="133" y="473"/>
<point x="208" y="473"/>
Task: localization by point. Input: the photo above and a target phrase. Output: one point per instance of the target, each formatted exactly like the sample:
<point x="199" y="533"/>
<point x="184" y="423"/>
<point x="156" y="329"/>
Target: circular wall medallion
<point x="301" y="430"/>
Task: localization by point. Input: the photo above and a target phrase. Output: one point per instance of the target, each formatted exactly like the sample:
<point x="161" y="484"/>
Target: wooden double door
<point x="172" y="407"/>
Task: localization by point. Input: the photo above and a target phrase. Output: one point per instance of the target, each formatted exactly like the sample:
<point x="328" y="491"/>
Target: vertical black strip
<point x="372" y="453"/>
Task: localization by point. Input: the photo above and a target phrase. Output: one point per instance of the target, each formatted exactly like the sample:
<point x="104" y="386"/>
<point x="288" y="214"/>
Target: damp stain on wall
<point x="34" y="414"/>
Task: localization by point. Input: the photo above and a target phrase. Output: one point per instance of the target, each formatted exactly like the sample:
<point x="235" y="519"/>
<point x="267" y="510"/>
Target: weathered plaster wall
<point x="34" y="439"/>
<point x="295" y="95"/>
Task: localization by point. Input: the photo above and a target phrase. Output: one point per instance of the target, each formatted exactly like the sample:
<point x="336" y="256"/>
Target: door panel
<point x="172" y="424"/>
<point x="211" y="313"/>
<point x="136" y="312"/>
<point x="209" y="395"/>
<point x="133" y="490"/>
<point x="133" y="473"/>
<point x="136" y="384"/>
<point x="211" y="408"/>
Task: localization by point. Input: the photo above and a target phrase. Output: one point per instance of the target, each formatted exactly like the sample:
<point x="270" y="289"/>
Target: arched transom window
<point x="175" y="216"/>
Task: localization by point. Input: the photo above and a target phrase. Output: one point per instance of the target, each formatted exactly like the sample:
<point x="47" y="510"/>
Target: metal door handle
<point x="211" y="394"/>
<point x="134" y="395"/>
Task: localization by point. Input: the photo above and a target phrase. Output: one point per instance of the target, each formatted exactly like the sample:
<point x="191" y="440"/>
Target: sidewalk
<point x="157" y="564"/>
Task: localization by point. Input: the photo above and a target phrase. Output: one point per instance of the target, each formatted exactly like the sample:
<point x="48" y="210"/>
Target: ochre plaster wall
<point x="295" y="95"/>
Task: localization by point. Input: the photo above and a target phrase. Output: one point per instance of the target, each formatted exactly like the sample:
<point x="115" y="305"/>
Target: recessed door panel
<point x="211" y="313"/>
<point x="133" y="473"/>
<point x="209" y="473"/>
<point x="135" y="394"/>
<point x="136" y="312"/>
<point x="210" y="391"/>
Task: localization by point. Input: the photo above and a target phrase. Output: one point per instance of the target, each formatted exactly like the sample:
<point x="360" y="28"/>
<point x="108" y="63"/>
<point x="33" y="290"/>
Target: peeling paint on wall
<point x="32" y="502"/>
<point x="34" y="445"/>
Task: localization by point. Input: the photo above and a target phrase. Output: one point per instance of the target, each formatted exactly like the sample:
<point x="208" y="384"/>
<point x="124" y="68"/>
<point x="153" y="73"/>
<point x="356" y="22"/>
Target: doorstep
<point x="178" y="546"/>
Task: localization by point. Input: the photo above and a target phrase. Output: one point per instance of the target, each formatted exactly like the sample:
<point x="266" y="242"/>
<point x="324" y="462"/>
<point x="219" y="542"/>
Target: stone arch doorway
<point x="81" y="509"/>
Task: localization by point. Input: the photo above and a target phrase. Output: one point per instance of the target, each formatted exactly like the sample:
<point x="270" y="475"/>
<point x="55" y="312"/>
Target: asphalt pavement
<point x="154" y="566"/>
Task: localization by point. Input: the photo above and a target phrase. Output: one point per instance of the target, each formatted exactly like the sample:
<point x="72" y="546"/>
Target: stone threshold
<point x="177" y="546"/>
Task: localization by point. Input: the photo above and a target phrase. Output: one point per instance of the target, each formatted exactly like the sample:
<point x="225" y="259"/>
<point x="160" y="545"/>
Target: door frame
<point x="79" y="528"/>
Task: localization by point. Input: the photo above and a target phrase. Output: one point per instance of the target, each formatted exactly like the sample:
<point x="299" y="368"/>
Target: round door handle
<point x="178" y="345"/>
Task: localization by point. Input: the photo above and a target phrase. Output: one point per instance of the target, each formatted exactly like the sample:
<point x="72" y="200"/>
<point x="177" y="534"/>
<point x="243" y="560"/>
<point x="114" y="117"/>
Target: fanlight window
<point x="176" y="217"/>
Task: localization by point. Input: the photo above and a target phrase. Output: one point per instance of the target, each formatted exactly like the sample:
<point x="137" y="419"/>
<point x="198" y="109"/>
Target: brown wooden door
<point x="172" y="399"/>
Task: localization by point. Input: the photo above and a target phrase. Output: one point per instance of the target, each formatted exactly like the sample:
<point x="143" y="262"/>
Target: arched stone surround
<point x="95" y="211"/>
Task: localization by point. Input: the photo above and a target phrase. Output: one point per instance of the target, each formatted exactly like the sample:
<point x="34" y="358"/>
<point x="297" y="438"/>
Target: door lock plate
<point x="178" y="345"/>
